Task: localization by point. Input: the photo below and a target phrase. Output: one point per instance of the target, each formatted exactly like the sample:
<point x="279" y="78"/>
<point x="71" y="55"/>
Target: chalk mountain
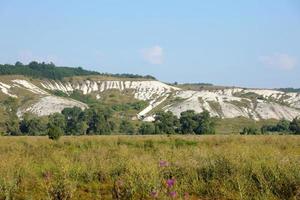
<point x="40" y="96"/>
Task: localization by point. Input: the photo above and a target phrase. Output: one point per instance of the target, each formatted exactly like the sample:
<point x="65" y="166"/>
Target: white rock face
<point x="29" y="86"/>
<point x="5" y="89"/>
<point x="49" y="105"/>
<point x="224" y="103"/>
<point x="143" y="90"/>
<point x="153" y="91"/>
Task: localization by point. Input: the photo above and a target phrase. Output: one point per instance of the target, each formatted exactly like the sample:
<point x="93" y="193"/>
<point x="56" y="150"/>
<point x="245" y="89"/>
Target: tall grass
<point x="150" y="167"/>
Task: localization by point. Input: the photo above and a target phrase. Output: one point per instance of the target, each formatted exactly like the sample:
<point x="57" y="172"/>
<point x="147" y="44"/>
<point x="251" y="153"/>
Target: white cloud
<point x="279" y="61"/>
<point x="153" y="55"/>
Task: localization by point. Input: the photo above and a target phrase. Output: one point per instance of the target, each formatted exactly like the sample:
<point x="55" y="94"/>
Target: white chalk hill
<point x="223" y="102"/>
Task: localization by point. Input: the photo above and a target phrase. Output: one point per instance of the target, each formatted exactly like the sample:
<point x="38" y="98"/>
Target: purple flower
<point x="163" y="163"/>
<point x="170" y="182"/>
<point x="173" y="194"/>
<point x="154" y="194"/>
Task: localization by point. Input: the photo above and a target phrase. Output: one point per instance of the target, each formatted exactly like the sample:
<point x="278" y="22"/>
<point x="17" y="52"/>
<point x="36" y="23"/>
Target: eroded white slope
<point x="225" y="103"/>
<point x="50" y="104"/>
<point x="154" y="92"/>
<point x="5" y="89"/>
<point x="143" y="90"/>
<point x="29" y="86"/>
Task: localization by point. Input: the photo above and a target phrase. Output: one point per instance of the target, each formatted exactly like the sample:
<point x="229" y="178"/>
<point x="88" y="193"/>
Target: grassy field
<point x="150" y="167"/>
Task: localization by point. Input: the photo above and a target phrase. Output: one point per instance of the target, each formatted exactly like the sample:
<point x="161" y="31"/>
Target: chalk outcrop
<point x="225" y="103"/>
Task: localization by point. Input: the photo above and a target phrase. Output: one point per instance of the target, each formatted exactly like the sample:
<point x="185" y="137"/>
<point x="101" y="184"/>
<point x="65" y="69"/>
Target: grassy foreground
<point x="150" y="167"/>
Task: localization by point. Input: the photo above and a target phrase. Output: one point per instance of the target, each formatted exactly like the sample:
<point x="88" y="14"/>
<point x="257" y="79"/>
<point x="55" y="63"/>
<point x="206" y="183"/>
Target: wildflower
<point x="170" y="182"/>
<point x="163" y="163"/>
<point x="154" y="194"/>
<point x="119" y="183"/>
<point x="186" y="196"/>
<point x="47" y="175"/>
<point x="173" y="194"/>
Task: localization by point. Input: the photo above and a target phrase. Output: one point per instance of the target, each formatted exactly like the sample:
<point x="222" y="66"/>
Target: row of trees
<point x="50" y="71"/>
<point x="188" y="123"/>
<point x="100" y="121"/>
<point x="283" y="126"/>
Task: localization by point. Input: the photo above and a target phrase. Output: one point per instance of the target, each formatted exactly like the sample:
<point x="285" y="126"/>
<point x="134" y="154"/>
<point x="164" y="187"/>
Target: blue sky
<point x="251" y="43"/>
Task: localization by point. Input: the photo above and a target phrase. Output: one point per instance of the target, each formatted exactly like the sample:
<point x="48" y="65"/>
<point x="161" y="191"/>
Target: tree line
<point x="283" y="126"/>
<point x="100" y="121"/>
<point x="50" y="71"/>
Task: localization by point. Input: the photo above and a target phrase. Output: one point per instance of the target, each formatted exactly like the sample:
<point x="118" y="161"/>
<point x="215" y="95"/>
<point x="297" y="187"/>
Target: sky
<point x="250" y="43"/>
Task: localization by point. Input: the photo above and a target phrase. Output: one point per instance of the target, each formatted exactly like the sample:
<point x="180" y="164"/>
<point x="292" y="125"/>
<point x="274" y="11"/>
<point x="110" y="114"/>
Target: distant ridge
<point x="50" y="71"/>
<point x="297" y="90"/>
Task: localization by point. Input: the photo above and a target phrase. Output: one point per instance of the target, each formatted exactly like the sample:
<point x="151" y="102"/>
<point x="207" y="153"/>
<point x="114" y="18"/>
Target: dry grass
<point x="127" y="167"/>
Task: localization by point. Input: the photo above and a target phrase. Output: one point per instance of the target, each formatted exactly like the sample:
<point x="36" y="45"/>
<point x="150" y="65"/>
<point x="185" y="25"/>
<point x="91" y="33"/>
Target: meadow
<point x="150" y="167"/>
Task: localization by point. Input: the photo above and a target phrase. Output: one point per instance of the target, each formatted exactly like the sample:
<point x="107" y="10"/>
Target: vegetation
<point x="295" y="126"/>
<point x="55" y="132"/>
<point x="43" y="70"/>
<point x="150" y="167"/>
<point x="249" y="131"/>
<point x="289" y="89"/>
<point x="166" y="122"/>
<point x="50" y="71"/>
<point x="147" y="128"/>
<point x="283" y="126"/>
<point x="192" y="123"/>
<point x="126" y="127"/>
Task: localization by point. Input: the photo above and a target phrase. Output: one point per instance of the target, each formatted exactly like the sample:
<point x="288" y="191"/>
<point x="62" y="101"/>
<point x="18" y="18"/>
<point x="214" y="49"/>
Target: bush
<point x="126" y="127"/>
<point x="54" y="132"/>
<point x="295" y="126"/>
<point x="249" y="131"/>
<point x="147" y="129"/>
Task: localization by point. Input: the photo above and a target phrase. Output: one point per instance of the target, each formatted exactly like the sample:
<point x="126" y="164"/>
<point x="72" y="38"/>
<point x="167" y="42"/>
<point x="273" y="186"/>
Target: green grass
<point x="127" y="167"/>
<point x="235" y="125"/>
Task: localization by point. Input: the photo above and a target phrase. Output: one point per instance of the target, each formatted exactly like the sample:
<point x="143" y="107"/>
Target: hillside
<point x="43" y="96"/>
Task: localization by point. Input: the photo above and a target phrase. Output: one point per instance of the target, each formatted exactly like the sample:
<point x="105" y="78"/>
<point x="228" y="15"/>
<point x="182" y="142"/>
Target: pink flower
<point x="154" y="194"/>
<point x="47" y="175"/>
<point x="163" y="163"/>
<point x="173" y="194"/>
<point x="186" y="196"/>
<point x="170" y="182"/>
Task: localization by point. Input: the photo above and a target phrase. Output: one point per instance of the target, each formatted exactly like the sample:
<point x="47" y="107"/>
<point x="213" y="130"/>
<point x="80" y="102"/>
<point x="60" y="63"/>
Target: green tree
<point x="56" y="126"/>
<point x="166" y="123"/>
<point x="75" y="121"/>
<point x="295" y="126"/>
<point x="249" y="131"/>
<point x="54" y="132"/>
<point x="147" y="128"/>
<point x="205" y="123"/>
<point x="99" y="121"/>
<point x="283" y="126"/>
<point x="12" y="127"/>
<point x="188" y="122"/>
<point x="126" y="127"/>
<point x="32" y="125"/>
<point x="57" y="120"/>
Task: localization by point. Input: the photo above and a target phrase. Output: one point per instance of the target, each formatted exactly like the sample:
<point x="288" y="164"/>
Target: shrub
<point x="54" y="132"/>
<point x="249" y="131"/>
<point x="295" y="126"/>
<point x="126" y="127"/>
<point x="147" y="129"/>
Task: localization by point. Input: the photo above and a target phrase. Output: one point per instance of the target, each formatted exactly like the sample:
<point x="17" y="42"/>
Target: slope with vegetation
<point x="44" y="89"/>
